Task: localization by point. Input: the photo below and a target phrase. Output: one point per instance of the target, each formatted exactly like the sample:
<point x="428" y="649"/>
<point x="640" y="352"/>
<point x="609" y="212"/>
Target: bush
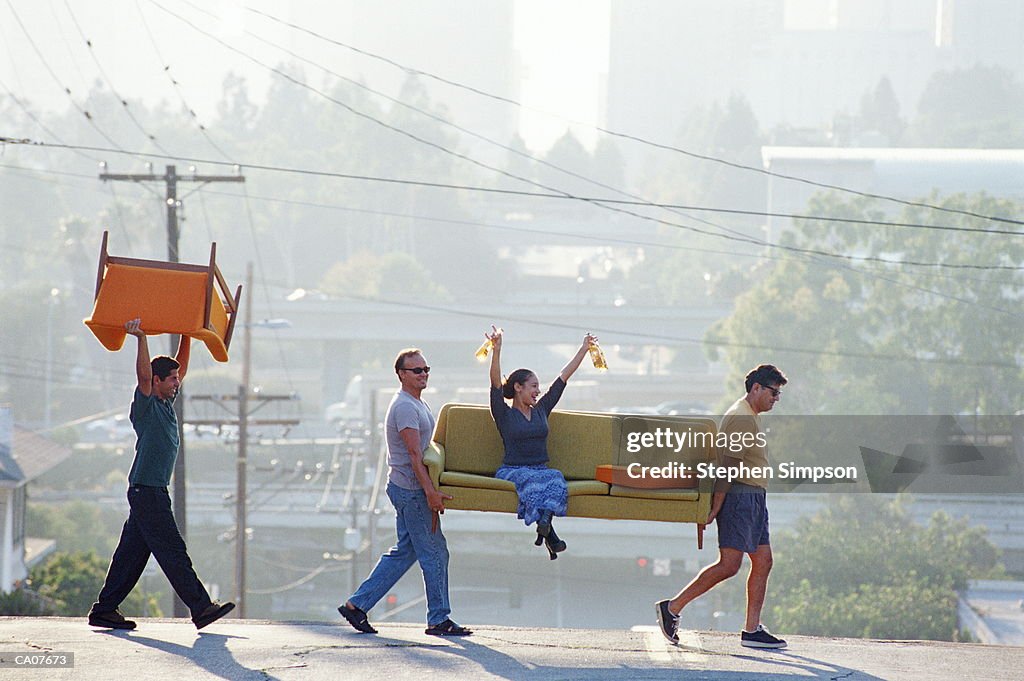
<point x="26" y="603"/>
<point x="862" y="568"/>
<point x="73" y="580"/>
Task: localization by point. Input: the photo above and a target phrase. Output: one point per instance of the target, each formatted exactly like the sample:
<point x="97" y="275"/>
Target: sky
<point x="136" y="44"/>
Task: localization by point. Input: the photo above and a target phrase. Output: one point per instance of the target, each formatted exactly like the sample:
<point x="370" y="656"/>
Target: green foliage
<point x="77" y="526"/>
<point x="25" y="603"/>
<point x="868" y="338"/>
<point x="862" y="568"/>
<point x="90" y="470"/>
<point x="73" y="580"/>
<point x="394" y="276"/>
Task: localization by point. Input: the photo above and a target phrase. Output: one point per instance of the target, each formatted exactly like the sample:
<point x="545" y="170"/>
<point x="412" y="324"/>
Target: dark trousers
<point x="150" y="529"/>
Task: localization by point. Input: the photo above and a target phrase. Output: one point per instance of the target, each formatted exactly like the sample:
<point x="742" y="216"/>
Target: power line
<point x="874" y="273"/>
<point x="635" y="138"/>
<point x="88" y="116"/>
<point x="124" y="102"/>
<point x="489" y="315"/>
<point x="212" y="143"/>
<point x="38" y="122"/>
<point x="563" y="196"/>
<point x="640" y="200"/>
<point x="600" y="202"/>
<point x="560" y="193"/>
<point x="177" y="85"/>
<point x="462" y="129"/>
<point x="513" y="229"/>
<point x="585" y="237"/>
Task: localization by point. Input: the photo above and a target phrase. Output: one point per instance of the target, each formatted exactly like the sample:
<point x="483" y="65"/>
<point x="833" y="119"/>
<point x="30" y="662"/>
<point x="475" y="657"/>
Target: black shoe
<point x="447" y="628"/>
<point x="214" y="611"/>
<point x="110" y="620"/>
<point x="760" y="638"/>
<point x="553" y="544"/>
<point x="357" y="618"/>
<point x="667" y="622"/>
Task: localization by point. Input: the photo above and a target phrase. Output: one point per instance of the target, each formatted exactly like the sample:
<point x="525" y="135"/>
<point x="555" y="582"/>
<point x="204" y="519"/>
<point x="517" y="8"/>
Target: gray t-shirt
<point x="405" y="411"/>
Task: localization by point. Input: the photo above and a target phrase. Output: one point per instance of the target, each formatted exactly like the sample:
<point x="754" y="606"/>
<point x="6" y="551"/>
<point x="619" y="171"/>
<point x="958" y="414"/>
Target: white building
<point x="24" y="456"/>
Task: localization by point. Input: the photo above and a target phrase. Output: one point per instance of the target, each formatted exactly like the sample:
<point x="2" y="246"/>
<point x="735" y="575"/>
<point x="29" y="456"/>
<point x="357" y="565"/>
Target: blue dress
<point x="526" y="455"/>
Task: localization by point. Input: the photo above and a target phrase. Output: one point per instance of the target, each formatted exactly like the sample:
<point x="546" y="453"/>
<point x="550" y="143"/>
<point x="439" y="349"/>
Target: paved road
<point x="240" y="650"/>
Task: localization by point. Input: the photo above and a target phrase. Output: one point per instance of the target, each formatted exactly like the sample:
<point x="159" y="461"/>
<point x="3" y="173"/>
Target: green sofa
<point x="467" y="450"/>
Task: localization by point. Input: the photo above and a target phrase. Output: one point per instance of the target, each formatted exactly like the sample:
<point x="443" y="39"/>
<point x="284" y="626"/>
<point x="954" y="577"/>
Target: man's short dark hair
<point x="408" y="352"/>
<point x="766" y="375"/>
<point x="163" y="366"/>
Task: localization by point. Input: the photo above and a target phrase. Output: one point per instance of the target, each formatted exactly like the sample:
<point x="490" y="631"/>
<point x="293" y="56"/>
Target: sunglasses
<point x="417" y="370"/>
<point x="774" y="391"/>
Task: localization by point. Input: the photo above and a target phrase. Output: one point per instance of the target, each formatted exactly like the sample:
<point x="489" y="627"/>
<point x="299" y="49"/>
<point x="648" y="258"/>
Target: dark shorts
<point x="743" y="520"/>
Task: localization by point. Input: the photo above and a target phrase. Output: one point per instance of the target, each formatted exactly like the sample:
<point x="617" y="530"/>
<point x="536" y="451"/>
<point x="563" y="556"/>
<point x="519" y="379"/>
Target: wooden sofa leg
<point x="700" y="536"/>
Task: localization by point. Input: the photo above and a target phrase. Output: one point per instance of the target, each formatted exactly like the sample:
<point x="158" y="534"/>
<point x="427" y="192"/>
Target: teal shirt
<point x="156" y="444"/>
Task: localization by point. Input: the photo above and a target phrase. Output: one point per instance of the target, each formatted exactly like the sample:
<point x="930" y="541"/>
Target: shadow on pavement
<point x="480" y="649"/>
<point x="209" y="651"/>
<point x="816" y="668"/>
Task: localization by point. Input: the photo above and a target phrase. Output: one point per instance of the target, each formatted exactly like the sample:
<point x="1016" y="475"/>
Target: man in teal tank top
<point x="150" y="528"/>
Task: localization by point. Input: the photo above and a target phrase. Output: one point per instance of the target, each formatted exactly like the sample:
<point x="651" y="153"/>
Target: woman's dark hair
<point x="517" y="377"/>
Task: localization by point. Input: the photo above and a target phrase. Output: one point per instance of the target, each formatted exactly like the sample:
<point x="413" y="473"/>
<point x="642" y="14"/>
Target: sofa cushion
<point x="579" y="442"/>
<point x="471" y="441"/>
<point x="478" y="481"/>
<point x="579" y="488"/>
<point x="639" y="440"/>
<point x="576" y="487"/>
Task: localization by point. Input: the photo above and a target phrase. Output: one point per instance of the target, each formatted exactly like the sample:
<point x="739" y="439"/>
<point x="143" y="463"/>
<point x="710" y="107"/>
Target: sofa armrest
<point x="433" y="459"/>
<point x="706" y="488"/>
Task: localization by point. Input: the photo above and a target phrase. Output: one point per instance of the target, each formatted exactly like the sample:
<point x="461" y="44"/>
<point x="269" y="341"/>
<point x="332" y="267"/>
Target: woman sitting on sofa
<point x="542" y="491"/>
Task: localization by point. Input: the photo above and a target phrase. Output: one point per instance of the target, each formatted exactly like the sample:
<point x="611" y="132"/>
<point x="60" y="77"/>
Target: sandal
<point x="447" y="628"/>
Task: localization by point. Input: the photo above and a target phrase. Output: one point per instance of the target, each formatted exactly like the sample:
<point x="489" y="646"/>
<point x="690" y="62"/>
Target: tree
<point x="394" y="276"/>
<point x="980" y="107"/>
<point x="861" y="568"/>
<point x="880" y="111"/>
<point x="726" y="131"/>
<point x="870" y="338"/>
<point x="77" y="526"/>
<point x="23" y="602"/>
<point x="72" y="581"/>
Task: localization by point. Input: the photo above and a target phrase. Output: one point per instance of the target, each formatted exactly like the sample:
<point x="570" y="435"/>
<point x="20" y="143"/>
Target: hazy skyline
<point x="559" y="50"/>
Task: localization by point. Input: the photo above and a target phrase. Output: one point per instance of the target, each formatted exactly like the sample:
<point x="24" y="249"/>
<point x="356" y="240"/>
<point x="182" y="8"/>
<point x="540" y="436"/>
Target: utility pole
<point x="244" y="395"/>
<point x="243" y="452"/>
<point x="171" y="179"/>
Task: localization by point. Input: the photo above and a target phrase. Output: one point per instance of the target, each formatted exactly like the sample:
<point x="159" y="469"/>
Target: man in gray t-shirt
<point x="406" y="412"/>
<point x="409" y="425"/>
